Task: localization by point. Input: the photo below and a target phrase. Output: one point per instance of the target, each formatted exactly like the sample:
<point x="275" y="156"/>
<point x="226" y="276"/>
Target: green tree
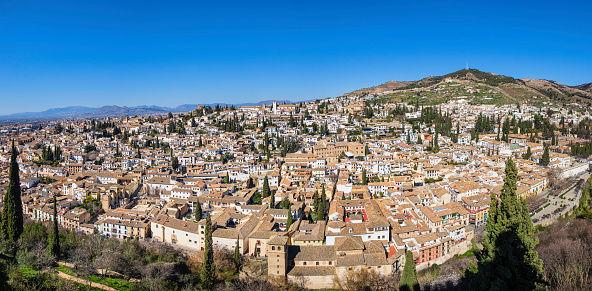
<point x="364" y="177"/>
<point x="508" y="260"/>
<point x="366" y="150"/>
<point x="237" y="257"/>
<point x="12" y="212"/>
<point x="198" y="212"/>
<point x="175" y="163"/>
<point x="266" y="191"/>
<point x="545" y="159"/>
<point x="527" y="154"/>
<point x="272" y="200"/>
<point x="55" y="233"/>
<point x="290" y="219"/>
<point x="409" y="277"/>
<point x="207" y="268"/>
<point x="322" y="205"/>
<point x="419" y="140"/>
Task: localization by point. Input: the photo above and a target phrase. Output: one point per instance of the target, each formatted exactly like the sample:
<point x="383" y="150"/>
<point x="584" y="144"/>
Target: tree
<point x="237" y="257"/>
<point x="527" y="154"/>
<point x="12" y="212"/>
<point x="545" y="159"/>
<point x="409" y="277"/>
<point x="55" y="233"/>
<point x="272" y="200"/>
<point x="508" y="260"/>
<point x="207" y="267"/>
<point x="315" y="200"/>
<point x="366" y="150"/>
<point x="198" y="212"/>
<point x="250" y="183"/>
<point x="265" y="191"/>
<point x="364" y="177"/>
<point x="321" y="205"/>
<point x="290" y="219"/>
<point x="419" y="140"/>
<point x="175" y="163"/>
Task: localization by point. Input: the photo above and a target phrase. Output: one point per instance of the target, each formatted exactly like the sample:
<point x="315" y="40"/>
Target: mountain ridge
<point x="517" y="89"/>
<point x="78" y="112"/>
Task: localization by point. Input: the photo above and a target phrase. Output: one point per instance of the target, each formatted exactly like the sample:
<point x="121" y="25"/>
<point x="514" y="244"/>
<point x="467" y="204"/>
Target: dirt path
<point x="84" y="282"/>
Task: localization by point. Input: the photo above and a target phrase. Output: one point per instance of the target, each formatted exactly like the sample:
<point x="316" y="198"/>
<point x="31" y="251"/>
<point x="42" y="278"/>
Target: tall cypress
<point x="266" y="191"/>
<point x="272" y="201"/>
<point x="322" y="204"/>
<point x="290" y="219"/>
<point x="508" y="260"/>
<point x="12" y="212"/>
<point x="207" y="267"/>
<point x="364" y="177"/>
<point x="237" y="257"/>
<point x="55" y="234"/>
<point x="198" y="212"/>
<point x="409" y="280"/>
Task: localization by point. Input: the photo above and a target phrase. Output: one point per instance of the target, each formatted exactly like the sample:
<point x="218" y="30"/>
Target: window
<point x="304" y="263"/>
<point x="317" y="263"/>
<point x="330" y="263"/>
<point x="273" y="248"/>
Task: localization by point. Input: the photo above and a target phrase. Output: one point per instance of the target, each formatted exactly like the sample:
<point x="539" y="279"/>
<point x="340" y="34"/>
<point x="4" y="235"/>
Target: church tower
<point x="277" y="254"/>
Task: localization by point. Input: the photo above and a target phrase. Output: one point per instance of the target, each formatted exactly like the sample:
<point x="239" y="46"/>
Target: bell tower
<point x="277" y="253"/>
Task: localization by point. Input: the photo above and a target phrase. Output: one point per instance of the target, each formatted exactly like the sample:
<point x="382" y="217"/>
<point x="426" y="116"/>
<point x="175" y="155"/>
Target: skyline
<point x="80" y="54"/>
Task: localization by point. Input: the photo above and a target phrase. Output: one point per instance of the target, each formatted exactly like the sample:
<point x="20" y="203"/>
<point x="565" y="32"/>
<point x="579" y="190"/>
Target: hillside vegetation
<point x="531" y="90"/>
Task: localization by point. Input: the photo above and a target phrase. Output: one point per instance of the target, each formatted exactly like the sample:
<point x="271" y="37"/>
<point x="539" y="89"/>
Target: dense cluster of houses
<point x="386" y="193"/>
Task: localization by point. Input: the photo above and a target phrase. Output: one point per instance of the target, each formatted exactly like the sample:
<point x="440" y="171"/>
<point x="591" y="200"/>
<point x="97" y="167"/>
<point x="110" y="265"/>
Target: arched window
<point x="273" y="248"/>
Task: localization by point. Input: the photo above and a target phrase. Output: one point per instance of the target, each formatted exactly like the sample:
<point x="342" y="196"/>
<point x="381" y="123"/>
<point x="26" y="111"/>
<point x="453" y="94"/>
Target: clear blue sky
<point x="167" y="53"/>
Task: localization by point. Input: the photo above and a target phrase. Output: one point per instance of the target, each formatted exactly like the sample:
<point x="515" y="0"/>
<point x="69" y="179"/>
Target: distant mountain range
<point x="77" y="112"/>
<point x="516" y="89"/>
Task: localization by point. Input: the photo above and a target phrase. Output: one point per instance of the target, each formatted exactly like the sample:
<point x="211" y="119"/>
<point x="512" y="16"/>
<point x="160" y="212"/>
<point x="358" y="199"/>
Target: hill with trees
<point x="516" y="89"/>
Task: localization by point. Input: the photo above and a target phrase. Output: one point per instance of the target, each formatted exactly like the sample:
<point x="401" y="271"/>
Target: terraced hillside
<point x="530" y="90"/>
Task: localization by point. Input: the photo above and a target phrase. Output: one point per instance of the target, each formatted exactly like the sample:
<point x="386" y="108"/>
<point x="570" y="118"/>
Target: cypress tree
<point x="508" y="260"/>
<point x="272" y="201"/>
<point x="207" y="267"/>
<point x="12" y="212"/>
<point x="237" y="257"/>
<point x="545" y="159"/>
<point x="265" y="193"/>
<point x="409" y="277"/>
<point x="55" y="234"/>
<point x="198" y="212"/>
<point x="322" y="205"/>
<point x="290" y="219"/>
<point x="364" y="178"/>
<point x="315" y="200"/>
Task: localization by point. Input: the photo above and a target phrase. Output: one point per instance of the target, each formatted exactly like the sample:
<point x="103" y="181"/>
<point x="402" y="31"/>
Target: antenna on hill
<point x="467" y="65"/>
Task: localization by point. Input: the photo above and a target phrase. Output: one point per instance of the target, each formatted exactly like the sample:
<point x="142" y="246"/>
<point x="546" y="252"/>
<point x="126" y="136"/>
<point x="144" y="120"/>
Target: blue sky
<point x="167" y="53"/>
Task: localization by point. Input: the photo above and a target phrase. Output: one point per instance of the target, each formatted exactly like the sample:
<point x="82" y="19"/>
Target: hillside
<point x="584" y="87"/>
<point x="531" y="90"/>
<point x="388" y="86"/>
